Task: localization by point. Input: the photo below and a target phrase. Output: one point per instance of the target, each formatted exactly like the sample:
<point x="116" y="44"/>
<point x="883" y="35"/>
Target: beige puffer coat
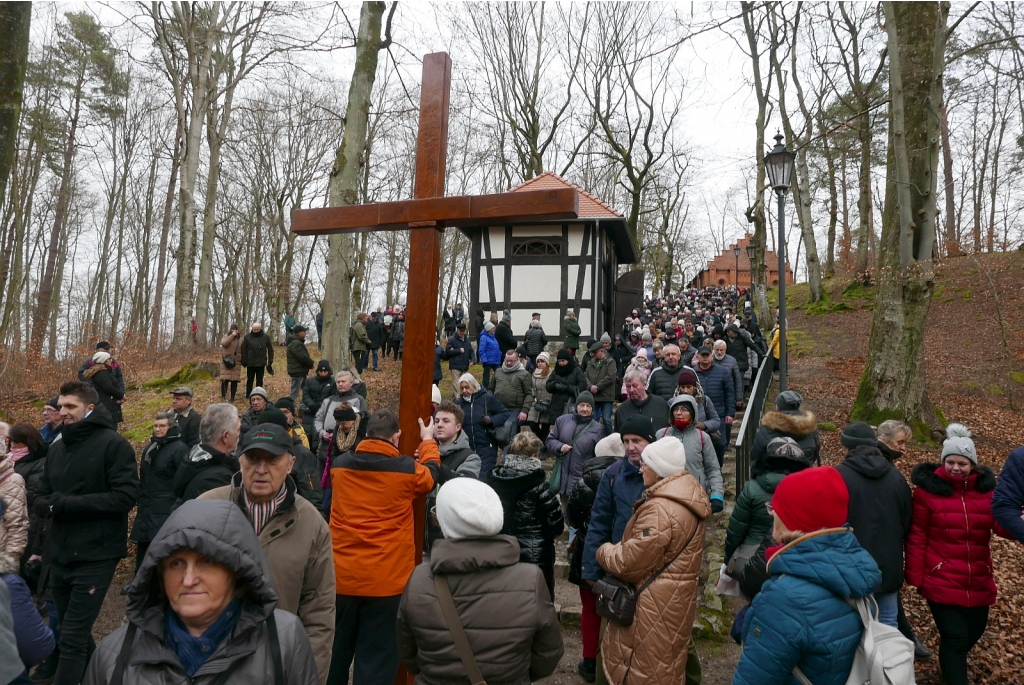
<point x="668" y="520"/>
<point x="14" y="523"/>
<point x="231" y="346"/>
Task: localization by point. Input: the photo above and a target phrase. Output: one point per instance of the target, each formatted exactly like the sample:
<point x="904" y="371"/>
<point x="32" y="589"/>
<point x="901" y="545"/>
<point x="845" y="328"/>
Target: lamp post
<point x="779" y="166"/>
<point x="736" y="251"/>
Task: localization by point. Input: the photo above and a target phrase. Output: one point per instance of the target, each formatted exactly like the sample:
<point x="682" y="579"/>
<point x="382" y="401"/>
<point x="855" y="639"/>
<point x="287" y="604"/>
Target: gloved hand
<point x="270" y="369"/>
<point x="717" y="504"/>
<point x="487" y="421"/>
<point x="42" y="504"/>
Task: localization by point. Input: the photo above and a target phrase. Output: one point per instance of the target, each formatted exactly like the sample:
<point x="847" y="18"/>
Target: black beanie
<point x="286" y="403"/>
<point x="564" y="354"/>
<point x="342" y="414"/>
<point x="275" y="416"/>
<point x="638" y="425"/>
<point x="858" y="433"/>
<point x="53" y="403"/>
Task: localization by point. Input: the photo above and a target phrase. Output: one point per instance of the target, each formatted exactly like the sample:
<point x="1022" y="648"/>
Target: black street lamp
<point x="736" y="251"/>
<point x="779" y="166"/>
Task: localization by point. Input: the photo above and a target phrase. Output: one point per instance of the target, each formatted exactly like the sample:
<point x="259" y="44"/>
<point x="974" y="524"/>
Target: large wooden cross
<point x="426" y="216"/>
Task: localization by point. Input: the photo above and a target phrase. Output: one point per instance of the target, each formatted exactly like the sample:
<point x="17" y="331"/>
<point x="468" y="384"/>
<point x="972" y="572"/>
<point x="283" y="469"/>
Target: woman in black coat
<point x="110" y="391"/>
<point x="315" y="390"/>
<point x="26" y="441"/>
<point x="532" y="513"/>
<point x="157" y="465"/>
<point x="565" y="383"/>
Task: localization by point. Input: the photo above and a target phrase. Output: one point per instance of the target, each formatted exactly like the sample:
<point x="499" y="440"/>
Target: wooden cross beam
<point x="425" y="215"/>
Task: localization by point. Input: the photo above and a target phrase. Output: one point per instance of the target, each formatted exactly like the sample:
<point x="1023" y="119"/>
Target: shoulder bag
<point x="454" y="623"/>
<point x="500" y="435"/>
<point x="229" y="359"/>
<point x="555" y="481"/>
<point x="616" y="599"/>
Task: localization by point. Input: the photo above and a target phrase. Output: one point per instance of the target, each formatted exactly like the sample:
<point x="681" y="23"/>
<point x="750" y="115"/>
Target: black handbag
<point x="228" y="361"/>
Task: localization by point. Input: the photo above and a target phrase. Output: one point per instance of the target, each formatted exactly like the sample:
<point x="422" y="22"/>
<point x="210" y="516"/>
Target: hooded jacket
<point x="582" y="434"/>
<point x="14" y="520"/>
<point x="701" y="461"/>
<point x="665" y="531"/>
<point x="297" y="545"/>
<point x="564" y="386"/>
<point x="488" y="351"/>
<point x="32" y="468"/>
<point x="503" y="334"/>
<point x="299" y="361"/>
<point x="314" y="391"/>
<point x="880" y="510"/>
<point x="801" y="617"/>
<point x="220" y="531"/>
<point x="202" y="470"/>
<point x="534" y="340"/>
<point x="158" y="465"/>
<point x="948" y="556"/>
<point x="802" y="426"/>
<point x="89" y="486"/>
<point x="504" y="607"/>
<point x="572" y="330"/>
<point x="581" y="501"/>
<point x="532" y="513"/>
<point x="736" y="347"/>
<point x="358" y="340"/>
<point x="257" y="349"/>
<point x="750" y="520"/>
<point x="110" y="391"/>
<point x="513" y="388"/>
<point x="1008" y="500"/>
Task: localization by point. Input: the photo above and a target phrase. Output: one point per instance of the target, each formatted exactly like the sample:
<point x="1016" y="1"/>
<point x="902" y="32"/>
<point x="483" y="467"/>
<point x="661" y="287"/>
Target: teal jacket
<point x="750" y="520"/>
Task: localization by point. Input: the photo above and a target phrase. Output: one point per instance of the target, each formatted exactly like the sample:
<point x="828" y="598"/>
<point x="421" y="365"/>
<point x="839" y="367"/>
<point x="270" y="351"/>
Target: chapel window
<point x="537" y="247"/>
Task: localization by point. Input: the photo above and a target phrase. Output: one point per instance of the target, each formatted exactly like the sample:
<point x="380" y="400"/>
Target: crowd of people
<point x="279" y="542"/>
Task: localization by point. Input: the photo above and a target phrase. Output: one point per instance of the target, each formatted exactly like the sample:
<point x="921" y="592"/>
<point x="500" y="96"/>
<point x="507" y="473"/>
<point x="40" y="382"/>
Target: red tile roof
<point x="590" y="206"/>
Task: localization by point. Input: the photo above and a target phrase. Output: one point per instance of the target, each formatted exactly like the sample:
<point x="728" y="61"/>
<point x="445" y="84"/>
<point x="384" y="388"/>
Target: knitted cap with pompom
<point x="958" y="441"/>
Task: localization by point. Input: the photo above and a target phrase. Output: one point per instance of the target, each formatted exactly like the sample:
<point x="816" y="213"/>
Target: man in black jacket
<point x="257" y="356"/>
<point x="375" y="332"/>
<point x="90" y="483"/>
<point x="186" y="416"/>
<point x="211" y="463"/>
<point x="299" y="361"/>
<point x="640" y="402"/>
<point x="503" y="334"/>
<point x="664" y="380"/>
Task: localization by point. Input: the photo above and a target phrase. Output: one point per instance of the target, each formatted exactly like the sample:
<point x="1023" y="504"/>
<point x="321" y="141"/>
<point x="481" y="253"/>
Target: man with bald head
<point x="665" y="379"/>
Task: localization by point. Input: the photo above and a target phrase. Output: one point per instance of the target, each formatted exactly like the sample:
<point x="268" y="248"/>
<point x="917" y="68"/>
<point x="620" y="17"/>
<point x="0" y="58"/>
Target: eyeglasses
<point x="768" y="507"/>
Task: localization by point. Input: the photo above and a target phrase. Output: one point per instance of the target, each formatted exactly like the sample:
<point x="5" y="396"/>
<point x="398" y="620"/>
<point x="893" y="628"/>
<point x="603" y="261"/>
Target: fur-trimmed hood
<point x="800" y="424"/>
<point x="932" y="477"/>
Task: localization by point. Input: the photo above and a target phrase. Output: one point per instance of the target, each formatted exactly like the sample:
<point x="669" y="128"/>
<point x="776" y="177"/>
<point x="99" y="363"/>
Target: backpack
<point x="883" y="657"/>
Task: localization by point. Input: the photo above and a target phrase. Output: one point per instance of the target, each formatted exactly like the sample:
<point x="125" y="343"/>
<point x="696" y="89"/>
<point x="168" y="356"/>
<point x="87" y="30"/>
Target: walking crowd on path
<point x="279" y="544"/>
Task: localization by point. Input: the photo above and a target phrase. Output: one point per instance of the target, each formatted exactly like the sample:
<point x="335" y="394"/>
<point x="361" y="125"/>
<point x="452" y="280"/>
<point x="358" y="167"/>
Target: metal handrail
<point x="752" y="419"/>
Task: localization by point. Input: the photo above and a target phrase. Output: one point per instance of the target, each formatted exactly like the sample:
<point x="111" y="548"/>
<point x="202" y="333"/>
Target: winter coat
<point x="314" y="391"/>
<point x="667" y="529"/>
<point x="14" y="523"/>
<point x="750" y="520"/>
<point x="664" y="381"/>
<point x="358" y="340"/>
<point x="89" y="486"/>
<point x="1008" y="500"/>
<point x="506" y="340"/>
<point x="880" y="510"/>
<point x="324" y="419"/>
<point x="257" y="349"/>
<point x="231" y="346"/>
<point x="948" y="556"/>
<point x="581" y="501"/>
<point x="737" y="376"/>
<point x="513" y="388"/>
<point x="202" y="470"/>
<point x="540" y="394"/>
<point x="299" y="361"/>
<point x="375" y="332"/>
<point x="458" y="460"/>
<point x="481" y="404"/>
<point x="701" y="460"/>
<point x="572" y="333"/>
<point x="35" y="639"/>
<point x="532" y="513"/>
<point x="115" y="369"/>
<point x="459" y="352"/>
<point x="737" y="347"/>
<point x="619" y="489"/>
<point x="582" y="434"/>
<point x="32" y="468"/>
<point x="397" y="331"/>
<point x="438" y="358"/>
<point x="654" y="407"/>
<point x="158" y="465"/>
<point x="565" y="388"/>
<point x="188" y="423"/>
<point x="221" y="532"/>
<point x="504" y="608"/>
<point x="801" y="426"/>
<point x="297" y="545"/>
<point x="534" y="341"/>
<point x="602" y="374"/>
<point x="107" y="387"/>
<point x="719" y="388"/>
<point x="489" y="352"/>
<point x="801" y="616"/>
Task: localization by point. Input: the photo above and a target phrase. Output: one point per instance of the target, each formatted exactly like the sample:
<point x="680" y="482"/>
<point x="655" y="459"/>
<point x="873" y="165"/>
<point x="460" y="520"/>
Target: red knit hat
<point x="812" y="499"/>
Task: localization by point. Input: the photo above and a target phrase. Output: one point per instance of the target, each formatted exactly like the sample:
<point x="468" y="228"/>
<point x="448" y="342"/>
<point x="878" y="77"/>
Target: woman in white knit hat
<point x="501" y="604"/>
<point x="661" y="552"/>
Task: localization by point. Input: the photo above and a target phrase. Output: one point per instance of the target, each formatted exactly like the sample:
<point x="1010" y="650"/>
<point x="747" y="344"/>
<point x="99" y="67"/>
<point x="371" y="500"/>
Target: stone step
<point x="569" y="615"/>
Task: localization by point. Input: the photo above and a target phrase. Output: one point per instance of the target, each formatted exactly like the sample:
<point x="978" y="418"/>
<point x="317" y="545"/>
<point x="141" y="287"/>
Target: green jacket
<point x="359" y="341"/>
<point x="299" y="361"/>
<point x="750" y="520"/>
<point x="513" y="388"/>
<point x="572" y="333"/>
<point x="602" y="374"/>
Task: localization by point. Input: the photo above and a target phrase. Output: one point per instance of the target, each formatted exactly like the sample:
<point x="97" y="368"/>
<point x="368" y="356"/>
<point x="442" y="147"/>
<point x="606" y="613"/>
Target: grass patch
<point x="856" y="290"/>
<point x="865" y="409"/>
<point x="189" y="373"/>
<point x="826" y="426"/>
<point x="940" y="416"/>
<point x="966" y="295"/>
<point x="827" y="306"/>
<point x="798" y="343"/>
<point x="1017" y="376"/>
<point x="995" y="389"/>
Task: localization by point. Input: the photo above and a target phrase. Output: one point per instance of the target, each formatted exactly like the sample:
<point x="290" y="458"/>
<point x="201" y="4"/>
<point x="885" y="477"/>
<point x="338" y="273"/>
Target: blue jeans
<point x="373" y="352"/>
<point x="888" y="607"/>
<point x="603" y="412"/>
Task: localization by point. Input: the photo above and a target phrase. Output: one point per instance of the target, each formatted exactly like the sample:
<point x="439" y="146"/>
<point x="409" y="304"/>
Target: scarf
<point x="261" y="513"/>
<point x="343" y="441"/>
<point x="193" y="651"/>
<point x="18" y="453"/>
<point x="565" y="370"/>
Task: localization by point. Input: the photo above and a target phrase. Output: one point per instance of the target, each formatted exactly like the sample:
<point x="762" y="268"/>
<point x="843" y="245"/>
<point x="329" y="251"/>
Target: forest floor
<point x="974" y="351"/>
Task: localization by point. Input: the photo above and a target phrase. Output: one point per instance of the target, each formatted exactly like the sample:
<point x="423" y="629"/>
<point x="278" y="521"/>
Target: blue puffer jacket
<point x="719" y="388"/>
<point x="1008" y="499"/>
<point x="621" y="486"/>
<point x="800" y="617"/>
<point x="489" y="352"/>
<point x="480" y="404"/>
<point x="35" y="639"/>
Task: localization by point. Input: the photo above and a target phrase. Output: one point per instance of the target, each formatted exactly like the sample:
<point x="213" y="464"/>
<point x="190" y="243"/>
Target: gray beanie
<point x="606" y="338"/>
<point x="646" y="337"/>
<point x="488" y="326"/>
<point x="585" y="396"/>
<point x="790" y="400"/>
<point x="958" y="441"/>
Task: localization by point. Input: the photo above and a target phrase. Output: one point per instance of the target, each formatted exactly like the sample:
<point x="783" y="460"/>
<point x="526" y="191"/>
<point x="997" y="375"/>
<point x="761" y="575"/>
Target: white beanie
<point x="958" y="441"/>
<point x="610" y="446"/>
<point x="468" y="508"/>
<point x="435" y="394"/>
<point x="101" y="357"/>
<point x="666" y="457"/>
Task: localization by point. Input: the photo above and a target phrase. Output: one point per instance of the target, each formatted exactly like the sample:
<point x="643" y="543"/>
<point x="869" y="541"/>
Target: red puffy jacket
<point x="947" y="551"/>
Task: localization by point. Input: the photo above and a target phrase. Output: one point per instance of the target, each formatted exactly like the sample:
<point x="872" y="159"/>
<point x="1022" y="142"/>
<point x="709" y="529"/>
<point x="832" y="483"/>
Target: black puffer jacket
<point x="314" y="391"/>
<point x="581" y="501"/>
<point x="664" y="381"/>
<point x="564" y="386"/>
<point x="107" y="387"/>
<point x="506" y="340"/>
<point x="257" y="349"/>
<point x="736" y="347"/>
<point x="532" y="514"/>
<point x="32" y="468"/>
<point x="157" y="467"/>
<point x="203" y="469"/>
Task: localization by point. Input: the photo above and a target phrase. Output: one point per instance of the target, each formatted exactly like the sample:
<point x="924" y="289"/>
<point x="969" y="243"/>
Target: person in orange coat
<point x="374" y="489"/>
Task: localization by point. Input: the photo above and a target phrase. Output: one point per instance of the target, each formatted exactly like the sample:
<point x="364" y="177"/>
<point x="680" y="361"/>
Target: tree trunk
<point x="864" y="198"/>
<point x="14" y="25"/>
<point x="952" y="240"/>
<point x="165" y="230"/>
<point x="343" y="189"/>
<point x="833" y="210"/>
<point x="893" y="382"/>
